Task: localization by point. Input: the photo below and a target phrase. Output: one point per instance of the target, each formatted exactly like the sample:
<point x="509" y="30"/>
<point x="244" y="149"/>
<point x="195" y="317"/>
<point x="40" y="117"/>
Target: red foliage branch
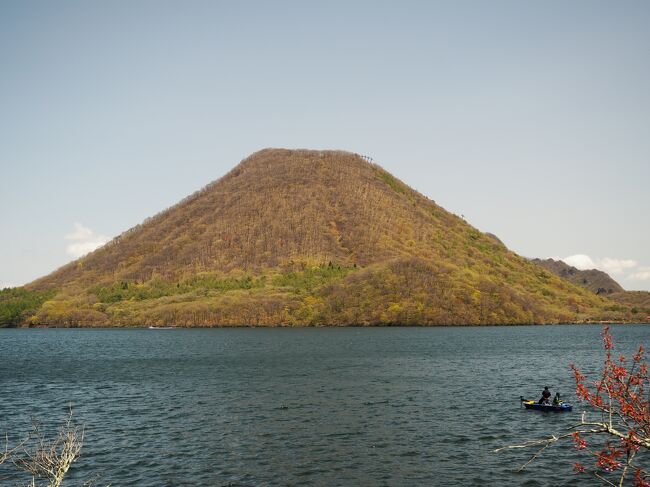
<point x="622" y="398"/>
<point x="621" y="395"/>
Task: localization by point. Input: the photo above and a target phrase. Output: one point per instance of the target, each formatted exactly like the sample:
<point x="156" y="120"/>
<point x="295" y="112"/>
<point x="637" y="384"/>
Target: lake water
<point x="301" y="407"/>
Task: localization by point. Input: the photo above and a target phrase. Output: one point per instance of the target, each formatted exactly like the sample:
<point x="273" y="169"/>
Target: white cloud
<point x="4" y="285"/>
<point x="617" y="266"/>
<point x="641" y="274"/>
<point x="607" y="264"/>
<point x="84" y="240"/>
<point x="580" y="261"/>
<point x="80" y="233"/>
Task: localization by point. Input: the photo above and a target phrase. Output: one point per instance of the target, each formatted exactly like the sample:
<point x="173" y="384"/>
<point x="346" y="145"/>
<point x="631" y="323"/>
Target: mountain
<point x="596" y="281"/>
<point x="300" y="237"/>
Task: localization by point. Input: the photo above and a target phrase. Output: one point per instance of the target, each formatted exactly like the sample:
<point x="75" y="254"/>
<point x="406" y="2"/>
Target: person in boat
<point x="556" y="400"/>
<point x="546" y="396"/>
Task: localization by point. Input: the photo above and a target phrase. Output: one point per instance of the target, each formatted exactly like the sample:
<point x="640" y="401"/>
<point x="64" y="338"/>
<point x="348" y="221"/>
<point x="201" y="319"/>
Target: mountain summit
<point x="302" y="237"/>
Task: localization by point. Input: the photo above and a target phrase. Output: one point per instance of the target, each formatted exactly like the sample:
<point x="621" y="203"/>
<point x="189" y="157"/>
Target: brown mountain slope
<point x="303" y="237"/>
<point x="596" y="281"/>
<point x="274" y="207"/>
<point x="639" y="300"/>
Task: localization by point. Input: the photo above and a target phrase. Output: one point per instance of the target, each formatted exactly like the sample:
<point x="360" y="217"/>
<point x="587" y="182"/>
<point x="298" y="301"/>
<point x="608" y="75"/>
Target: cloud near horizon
<point x="641" y="274"/>
<point x="627" y="268"/>
<point x="84" y="240"/>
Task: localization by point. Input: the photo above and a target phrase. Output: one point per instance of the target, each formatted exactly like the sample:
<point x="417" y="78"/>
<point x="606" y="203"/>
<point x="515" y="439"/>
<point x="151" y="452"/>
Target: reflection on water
<point x="324" y="406"/>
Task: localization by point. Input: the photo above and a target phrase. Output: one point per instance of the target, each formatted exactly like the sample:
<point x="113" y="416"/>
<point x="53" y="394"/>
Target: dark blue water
<point x="322" y="407"/>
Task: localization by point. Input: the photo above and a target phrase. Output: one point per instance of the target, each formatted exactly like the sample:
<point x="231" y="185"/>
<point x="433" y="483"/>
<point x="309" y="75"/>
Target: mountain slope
<point x="637" y="301"/>
<point x="306" y="238"/>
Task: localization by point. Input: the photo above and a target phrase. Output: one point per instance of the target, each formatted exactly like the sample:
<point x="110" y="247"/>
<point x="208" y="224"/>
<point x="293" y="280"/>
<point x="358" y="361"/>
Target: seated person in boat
<point x="546" y="395"/>
<point x="556" y="400"/>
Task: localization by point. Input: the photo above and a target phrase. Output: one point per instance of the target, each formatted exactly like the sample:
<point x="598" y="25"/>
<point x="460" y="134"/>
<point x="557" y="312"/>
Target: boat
<point x="161" y="327"/>
<point x="535" y="405"/>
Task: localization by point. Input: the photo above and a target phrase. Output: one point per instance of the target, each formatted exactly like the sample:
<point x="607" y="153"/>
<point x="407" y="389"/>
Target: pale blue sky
<point x="532" y="119"/>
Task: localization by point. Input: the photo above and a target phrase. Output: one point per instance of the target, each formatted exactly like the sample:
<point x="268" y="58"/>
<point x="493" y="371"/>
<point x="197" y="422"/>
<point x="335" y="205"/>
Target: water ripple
<point x="242" y="407"/>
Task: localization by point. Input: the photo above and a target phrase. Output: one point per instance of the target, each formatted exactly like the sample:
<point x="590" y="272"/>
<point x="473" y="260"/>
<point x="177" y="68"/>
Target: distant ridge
<point x="303" y="237"/>
<point x="602" y="284"/>
<point x="596" y="281"/>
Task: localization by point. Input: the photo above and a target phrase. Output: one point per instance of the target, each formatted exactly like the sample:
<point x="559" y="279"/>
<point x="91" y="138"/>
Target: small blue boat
<point x="530" y="404"/>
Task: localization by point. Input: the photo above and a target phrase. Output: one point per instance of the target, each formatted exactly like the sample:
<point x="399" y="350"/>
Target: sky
<point x="530" y="119"/>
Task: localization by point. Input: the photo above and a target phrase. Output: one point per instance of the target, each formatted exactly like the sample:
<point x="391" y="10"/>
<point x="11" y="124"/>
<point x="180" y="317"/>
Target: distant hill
<point x="596" y="281"/>
<point x="300" y="237"/>
<point x="601" y="283"/>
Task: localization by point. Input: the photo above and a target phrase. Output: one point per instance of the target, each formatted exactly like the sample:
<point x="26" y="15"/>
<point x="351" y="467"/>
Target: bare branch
<point x="52" y="458"/>
<point x="554" y="438"/>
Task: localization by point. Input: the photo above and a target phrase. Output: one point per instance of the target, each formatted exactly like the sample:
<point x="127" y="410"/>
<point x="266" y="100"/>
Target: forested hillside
<point x="298" y="237"/>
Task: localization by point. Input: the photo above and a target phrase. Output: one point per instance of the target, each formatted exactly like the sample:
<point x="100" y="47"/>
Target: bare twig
<point x="8" y="452"/>
<point x="539" y="452"/>
<point x="604" y="479"/>
<point x="630" y="458"/>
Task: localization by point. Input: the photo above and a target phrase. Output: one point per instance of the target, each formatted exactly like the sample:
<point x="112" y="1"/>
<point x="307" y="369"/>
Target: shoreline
<point x="166" y="328"/>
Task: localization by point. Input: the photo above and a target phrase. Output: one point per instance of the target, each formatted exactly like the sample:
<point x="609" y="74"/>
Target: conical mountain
<point x="303" y="237"/>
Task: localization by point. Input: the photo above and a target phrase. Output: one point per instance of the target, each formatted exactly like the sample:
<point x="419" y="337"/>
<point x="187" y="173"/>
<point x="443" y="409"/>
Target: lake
<point x="304" y="406"/>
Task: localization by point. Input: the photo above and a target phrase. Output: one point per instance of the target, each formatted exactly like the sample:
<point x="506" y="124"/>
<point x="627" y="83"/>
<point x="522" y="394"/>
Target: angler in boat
<point x="546" y="394"/>
<point x="558" y="406"/>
